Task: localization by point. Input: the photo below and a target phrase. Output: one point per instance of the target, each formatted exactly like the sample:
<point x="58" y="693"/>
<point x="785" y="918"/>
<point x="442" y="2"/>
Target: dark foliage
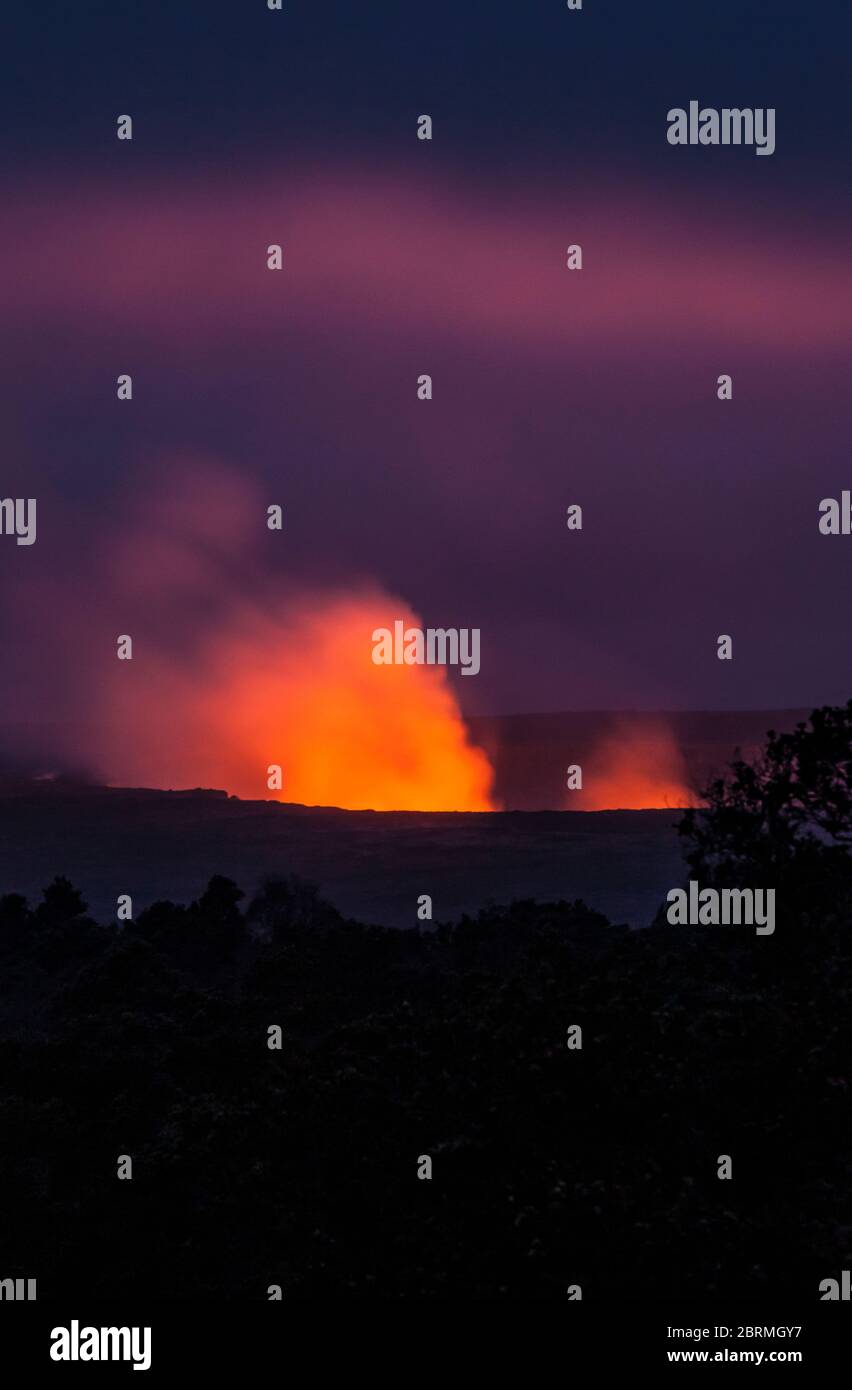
<point x="783" y="821"/>
<point x="298" y="1167"/>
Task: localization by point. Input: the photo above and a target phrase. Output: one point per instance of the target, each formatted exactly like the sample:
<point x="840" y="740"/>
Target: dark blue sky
<point x="401" y="258"/>
<point x="508" y="83"/>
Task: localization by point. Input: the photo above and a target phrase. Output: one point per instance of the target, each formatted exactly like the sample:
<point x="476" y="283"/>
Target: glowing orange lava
<point x="635" y="769"/>
<point x="303" y="692"/>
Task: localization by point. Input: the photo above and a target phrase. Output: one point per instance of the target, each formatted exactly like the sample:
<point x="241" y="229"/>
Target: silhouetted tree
<point x="62" y="903"/>
<point x="288" y="903"/>
<point x="214" y="923"/>
<point x="784" y="819"/>
<point x="220" y="900"/>
<point x="161" y="921"/>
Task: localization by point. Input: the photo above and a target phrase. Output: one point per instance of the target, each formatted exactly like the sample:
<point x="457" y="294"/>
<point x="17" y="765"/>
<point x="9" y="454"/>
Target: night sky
<point x="404" y="257"/>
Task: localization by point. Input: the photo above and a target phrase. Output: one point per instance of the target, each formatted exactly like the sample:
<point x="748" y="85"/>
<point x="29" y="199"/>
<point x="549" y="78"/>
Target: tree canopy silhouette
<point x="783" y="819"/>
<point x="296" y="1166"/>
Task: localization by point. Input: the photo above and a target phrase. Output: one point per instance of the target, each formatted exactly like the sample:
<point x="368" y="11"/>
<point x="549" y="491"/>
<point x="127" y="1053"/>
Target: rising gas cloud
<point x="637" y="767"/>
<point x="299" y="690"/>
<point x="235" y="671"/>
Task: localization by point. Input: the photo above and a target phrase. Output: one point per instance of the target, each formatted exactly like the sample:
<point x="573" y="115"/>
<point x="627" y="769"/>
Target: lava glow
<point x="301" y="691"/>
<point x="636" y="769"/>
